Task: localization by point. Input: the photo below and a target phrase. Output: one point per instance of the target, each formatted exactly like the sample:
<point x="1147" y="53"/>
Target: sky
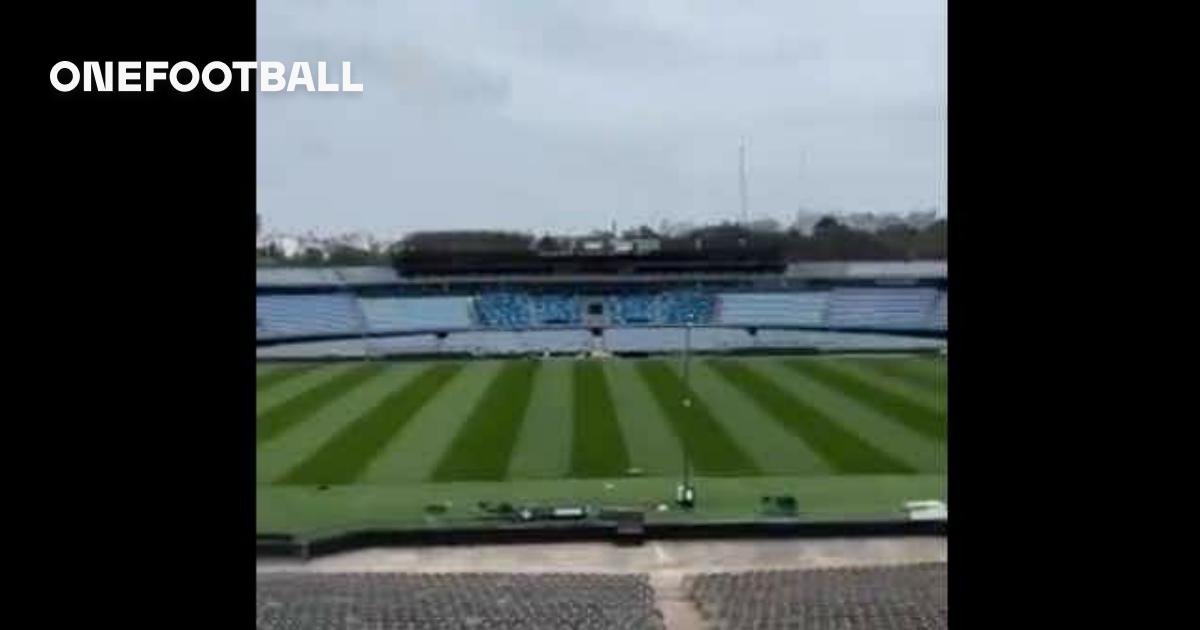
<point x="565" y="116"/>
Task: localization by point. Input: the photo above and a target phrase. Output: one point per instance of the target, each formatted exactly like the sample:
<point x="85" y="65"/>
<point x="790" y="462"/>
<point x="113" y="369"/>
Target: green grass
<point x="297" y="409"/>
<point x="905" y="409"/>
<point x="597" y="448"/>
<point x="929" y="374"/>
<point x="842" y="449"/>
<point x="482" y="448"/>
<point x="711" y="450"/>
<point x="280" y="374"/>
<point x="543" y="449"/>
<point x="844" y="434"/>
<point x="306" y="510"/>
<point x="343" y="457"/>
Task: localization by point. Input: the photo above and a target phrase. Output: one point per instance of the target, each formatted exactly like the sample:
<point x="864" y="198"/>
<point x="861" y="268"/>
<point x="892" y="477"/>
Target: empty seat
<point x="901" y="597"/>
<point x="884" y="308"/>
<point x="417" y="313"/>
<point x="310" y="314"/>
<point x="503" y="310"/>
<point x="938" y="318"/>
<point x="466" y="600"/>
<point x="778" y="309"/>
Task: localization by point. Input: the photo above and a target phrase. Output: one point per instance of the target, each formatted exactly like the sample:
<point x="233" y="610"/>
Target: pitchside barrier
<point x="463" y="356"/>
<point x="618" y="532"/>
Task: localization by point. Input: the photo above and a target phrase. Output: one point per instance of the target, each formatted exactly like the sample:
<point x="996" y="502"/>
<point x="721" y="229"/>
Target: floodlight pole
<point x="687" y="405"/>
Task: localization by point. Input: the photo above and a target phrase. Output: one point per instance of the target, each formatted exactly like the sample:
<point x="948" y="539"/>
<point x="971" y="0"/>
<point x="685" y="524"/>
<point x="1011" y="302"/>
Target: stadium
<point x="612" y="391"/>
<point x="469" y="391"/>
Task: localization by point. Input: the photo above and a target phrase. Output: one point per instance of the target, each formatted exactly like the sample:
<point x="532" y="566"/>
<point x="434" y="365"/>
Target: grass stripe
<point x="415" y="451"/>
<point x="277" y="457"/>
<point x="904" y="410"/>
<point x="350" y="451"/>
<point x="776" y="450"/>
<point x="925" y="373"/>
<point x="878" y="430"/>
<point x="278" y="375"/>
<point x="711" y="450"/>
<point x="543" y="449"/>
<point x="297" y="409"/>
<point x="597" y="448"/>
<point x="842" y="449"/>
<point x="653" y="447"/>
<point x="484" y="445"/>
<point x="931" y="399"/>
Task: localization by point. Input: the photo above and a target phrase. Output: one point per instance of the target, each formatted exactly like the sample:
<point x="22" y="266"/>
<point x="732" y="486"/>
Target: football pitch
<point x="346" y="444"/>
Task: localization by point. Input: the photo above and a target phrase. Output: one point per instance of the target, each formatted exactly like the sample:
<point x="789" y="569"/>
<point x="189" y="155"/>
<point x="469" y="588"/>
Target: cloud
<point x="567" y="115"/>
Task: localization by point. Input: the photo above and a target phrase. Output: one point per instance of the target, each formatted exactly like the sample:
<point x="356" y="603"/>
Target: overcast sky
<point x="567" y="115"/>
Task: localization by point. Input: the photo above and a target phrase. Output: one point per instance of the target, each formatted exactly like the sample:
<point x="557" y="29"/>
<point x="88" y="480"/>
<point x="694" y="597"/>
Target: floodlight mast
<point x="742" y="187"/>
<point x="686" y="490"/>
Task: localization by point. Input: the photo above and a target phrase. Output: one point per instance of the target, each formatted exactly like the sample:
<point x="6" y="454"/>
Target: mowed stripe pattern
<point x="593" y="418"/>
<point x="343" y="457"/>
<point x="298" y="408"/>
<point x="711" y="449"/>
<point x="597" y="448"/>
<point x="841" y="448"/>
<point x="481" y="450"/>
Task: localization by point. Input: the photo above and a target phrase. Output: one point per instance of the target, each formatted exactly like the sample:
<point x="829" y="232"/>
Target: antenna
<point x="742" y="181"/>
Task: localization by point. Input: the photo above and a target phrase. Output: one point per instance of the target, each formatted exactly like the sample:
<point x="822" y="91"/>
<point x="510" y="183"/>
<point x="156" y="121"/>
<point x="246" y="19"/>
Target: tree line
<point x="829" y="240"/>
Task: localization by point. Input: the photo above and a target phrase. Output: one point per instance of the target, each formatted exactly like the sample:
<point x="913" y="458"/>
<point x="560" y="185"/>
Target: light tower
<point x="743" y="193"/>
<point x="685" y="495"/>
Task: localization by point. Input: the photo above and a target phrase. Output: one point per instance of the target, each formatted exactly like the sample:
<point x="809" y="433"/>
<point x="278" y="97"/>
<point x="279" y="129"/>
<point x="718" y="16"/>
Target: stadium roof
<point x="869" y="269"/>
<point x="340" y="276"/>
<point x="323" y="276"/>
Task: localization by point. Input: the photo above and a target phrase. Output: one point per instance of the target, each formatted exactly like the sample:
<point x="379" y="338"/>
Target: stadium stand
<point x="659" y="339"/>
<point x="304" y="305"/>
<point x="868" y="269"/>
<point x="513" y="342"/>
<point x="295" y="277"/>
<point x="418" y="313"/>
<point x="783" y="309"/>
<point x="503" y="310"/>
<point x="938" y="318"/>
<point x="366" y="275"/>
<point x="896" y="308"/>
<point x="521" y="310"/>
<point x="310" y="314"/>
<point x="556" y="309"/>
<point x="691" y="307"/>
<point x="632" y="309"/>
<point x="385" y="601"/>
<point x="774" y="338"/>
<point x="898" y="597"/>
